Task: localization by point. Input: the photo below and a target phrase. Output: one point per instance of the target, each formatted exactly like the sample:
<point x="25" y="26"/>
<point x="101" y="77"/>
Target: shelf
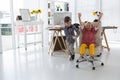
<point x="61" y="12"/>
<point x="29" y="22"/>
<point x="31" y="33"/>
<point x="34" y="42"/>
<point x="25" y="31"/>
<point x="56" y="7"/>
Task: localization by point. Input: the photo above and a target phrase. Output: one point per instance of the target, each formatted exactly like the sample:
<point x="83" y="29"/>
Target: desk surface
<point x="28" y="22"/>
<point x="55" y="28"/>
<point x="109" y="27"/>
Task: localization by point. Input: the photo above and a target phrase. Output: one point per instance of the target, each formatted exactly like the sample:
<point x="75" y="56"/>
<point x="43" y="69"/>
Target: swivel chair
<point x="98" y="50"/>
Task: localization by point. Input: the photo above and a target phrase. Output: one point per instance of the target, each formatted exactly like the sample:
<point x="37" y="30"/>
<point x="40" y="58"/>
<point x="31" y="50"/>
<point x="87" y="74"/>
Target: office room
<point x="34" y="42"/>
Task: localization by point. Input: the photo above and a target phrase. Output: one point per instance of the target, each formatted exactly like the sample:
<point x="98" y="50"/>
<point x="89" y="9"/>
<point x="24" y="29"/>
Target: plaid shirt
<point x="69" y="33"/>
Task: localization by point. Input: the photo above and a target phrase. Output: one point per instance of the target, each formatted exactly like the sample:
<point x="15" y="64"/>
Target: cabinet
<point x="56" y="7"/>
<point x="29" y="32"/>
<point x="57" y="10"/>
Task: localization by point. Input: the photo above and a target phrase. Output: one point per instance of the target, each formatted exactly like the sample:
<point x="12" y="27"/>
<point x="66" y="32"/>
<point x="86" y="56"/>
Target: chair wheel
<point x="102" y="64"/>
<point x="93" y="68"/>
<point x="77" y="66"/>
<point x="77" y="61"/>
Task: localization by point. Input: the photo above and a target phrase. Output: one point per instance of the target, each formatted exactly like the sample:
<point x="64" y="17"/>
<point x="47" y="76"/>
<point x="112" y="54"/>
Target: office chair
<point x="98" y="50"/>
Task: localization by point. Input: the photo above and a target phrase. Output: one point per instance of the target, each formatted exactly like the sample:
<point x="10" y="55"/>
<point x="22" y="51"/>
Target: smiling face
<point x="89" y="25"/>
<point x="68" y="24"/>
<point x="67" y="21"/>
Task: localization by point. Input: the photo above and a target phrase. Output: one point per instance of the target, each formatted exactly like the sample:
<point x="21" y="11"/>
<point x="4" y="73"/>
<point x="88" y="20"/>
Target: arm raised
<point x="99" y="19"/>
<point x="79" y="18"/>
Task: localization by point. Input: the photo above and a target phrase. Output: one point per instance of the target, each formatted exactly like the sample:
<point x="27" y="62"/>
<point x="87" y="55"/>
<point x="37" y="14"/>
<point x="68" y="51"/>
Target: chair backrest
<point x="76" y="25"/>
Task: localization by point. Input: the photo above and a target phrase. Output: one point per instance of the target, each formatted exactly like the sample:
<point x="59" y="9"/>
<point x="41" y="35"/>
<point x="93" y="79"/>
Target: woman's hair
<point x="67" y="19"/>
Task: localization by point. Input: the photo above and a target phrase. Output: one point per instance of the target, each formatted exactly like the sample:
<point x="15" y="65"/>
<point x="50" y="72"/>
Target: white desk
<point x="29" y="23"/>
<point x="105" y="37"/>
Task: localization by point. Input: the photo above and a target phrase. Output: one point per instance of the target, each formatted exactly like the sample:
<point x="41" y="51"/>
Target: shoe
<point x="99" y="55"/>
<point x="72" y="57"/>
<point x="91" y="58"/>
<point x="81" y="58"/>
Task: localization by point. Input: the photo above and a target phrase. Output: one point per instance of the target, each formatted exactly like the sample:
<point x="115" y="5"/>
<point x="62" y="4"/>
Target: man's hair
<point x="67" y="19"/>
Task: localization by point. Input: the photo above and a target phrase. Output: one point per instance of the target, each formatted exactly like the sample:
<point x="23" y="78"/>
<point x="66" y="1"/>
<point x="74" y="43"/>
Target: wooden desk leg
<point x="106" y="41"/>
<point x="51" y="42"/>
<point x="63" y="39"/>
<point x="59" y="41"/>
<point x="55" y="42"/>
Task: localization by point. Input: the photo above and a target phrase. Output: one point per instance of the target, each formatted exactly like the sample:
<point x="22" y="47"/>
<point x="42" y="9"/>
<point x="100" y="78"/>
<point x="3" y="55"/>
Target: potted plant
<point x="58" y="7"/>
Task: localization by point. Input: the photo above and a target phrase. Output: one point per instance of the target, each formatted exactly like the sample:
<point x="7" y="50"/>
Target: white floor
<point x="37" y="64"/>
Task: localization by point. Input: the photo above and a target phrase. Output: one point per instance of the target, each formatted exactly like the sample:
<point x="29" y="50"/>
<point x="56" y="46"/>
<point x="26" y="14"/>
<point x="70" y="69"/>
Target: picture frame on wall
<point x="25" y="14"/>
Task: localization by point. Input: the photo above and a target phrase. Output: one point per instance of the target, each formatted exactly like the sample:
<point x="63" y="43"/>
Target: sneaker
<point x="91" y="58"/>
<point x="81" y="58"/>
<point x="72" y="57"/>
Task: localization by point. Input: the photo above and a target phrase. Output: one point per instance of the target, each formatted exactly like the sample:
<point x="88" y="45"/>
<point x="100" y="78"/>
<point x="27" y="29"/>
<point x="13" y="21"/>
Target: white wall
<point x="111" y="11"/>
<point x="86" y="7"/>
<point x="72" y="9"/>
<point x="44" y="16"/>
<point x="32" y="4"/>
